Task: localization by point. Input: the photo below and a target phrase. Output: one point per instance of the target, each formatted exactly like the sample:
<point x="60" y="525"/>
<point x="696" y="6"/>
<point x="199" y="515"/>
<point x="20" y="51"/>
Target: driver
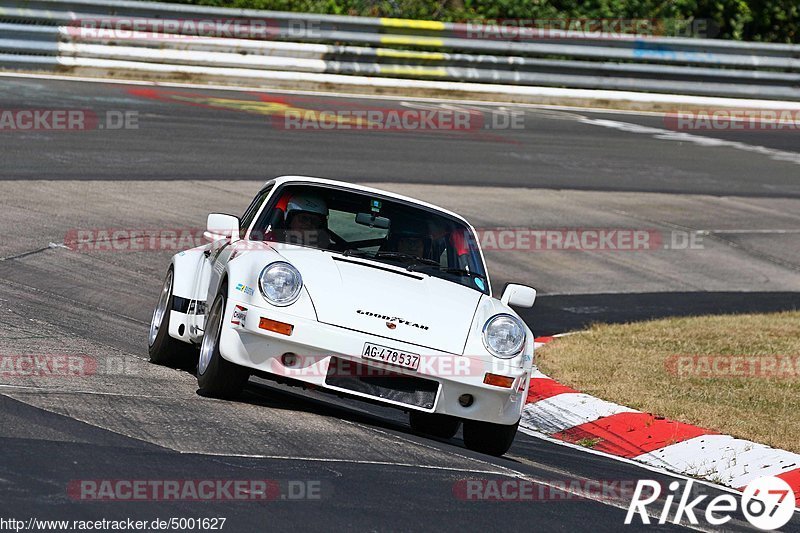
<point x="411" y="244"/>
<point x="410" y="239"/>
<point x="307" y="221"/>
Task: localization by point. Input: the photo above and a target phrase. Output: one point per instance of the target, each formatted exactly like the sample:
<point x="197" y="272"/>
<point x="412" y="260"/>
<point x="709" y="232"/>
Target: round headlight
<point x="504" y="336"/>
<point x="280" y="283"/>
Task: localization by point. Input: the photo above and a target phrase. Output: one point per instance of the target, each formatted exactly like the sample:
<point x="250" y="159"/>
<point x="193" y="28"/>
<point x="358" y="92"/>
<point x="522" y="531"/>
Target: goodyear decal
<point x="393" y="319"/>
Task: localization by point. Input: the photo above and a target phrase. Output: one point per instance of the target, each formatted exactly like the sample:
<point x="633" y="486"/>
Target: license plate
<point x="390" y="356"/>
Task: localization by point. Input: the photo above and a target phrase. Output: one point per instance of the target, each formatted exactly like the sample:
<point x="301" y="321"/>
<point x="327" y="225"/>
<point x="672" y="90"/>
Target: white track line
<point x="699" y="140"/>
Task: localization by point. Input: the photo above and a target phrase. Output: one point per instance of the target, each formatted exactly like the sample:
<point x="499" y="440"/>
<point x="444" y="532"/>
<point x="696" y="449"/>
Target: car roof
<point x="354" y="186"/>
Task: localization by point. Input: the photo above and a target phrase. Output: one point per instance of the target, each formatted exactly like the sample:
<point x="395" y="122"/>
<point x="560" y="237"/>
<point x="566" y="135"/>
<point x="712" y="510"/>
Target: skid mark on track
<point x="353" y="461"/>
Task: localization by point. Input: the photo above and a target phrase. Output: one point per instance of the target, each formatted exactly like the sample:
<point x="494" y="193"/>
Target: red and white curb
<point x="565" y="414"/>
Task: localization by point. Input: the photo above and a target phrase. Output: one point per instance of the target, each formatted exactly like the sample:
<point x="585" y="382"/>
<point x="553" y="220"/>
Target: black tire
<point x="442" y="426"/>
<point x="218" y="377"/>
<point x="488" y="438"/>
<point x="163" y="349"/>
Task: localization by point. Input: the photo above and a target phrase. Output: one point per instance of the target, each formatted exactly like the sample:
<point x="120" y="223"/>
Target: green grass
<point x="589" y="443"/>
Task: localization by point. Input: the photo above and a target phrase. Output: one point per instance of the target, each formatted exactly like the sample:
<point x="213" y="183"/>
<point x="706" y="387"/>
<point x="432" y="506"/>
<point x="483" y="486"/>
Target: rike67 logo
<point x="768" y="503"/>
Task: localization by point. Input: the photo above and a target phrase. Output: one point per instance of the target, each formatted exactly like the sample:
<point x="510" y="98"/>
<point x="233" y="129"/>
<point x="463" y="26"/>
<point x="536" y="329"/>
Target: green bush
<point x="751" y="20"/>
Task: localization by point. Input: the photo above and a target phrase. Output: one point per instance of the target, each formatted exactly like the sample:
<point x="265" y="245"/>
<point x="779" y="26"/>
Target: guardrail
<point x="89" y="34"/>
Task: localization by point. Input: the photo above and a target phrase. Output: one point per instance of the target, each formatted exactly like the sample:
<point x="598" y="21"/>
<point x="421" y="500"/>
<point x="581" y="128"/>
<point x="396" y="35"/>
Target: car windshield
<point x="376" y="228"/>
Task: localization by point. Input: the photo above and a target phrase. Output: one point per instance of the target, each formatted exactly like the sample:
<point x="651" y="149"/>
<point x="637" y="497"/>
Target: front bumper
<point x="316" y="345"/>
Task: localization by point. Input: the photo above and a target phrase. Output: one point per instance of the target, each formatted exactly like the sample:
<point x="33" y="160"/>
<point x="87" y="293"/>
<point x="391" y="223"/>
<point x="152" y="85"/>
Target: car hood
<point x="386" y="301"/>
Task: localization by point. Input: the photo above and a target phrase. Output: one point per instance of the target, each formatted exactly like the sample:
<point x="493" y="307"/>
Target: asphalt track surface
<point x="134" y="420"/>
<point x="195" y="134"/>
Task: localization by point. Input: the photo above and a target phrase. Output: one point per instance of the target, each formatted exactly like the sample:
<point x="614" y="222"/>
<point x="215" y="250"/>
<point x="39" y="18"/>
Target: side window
<point x="250" y="212"/>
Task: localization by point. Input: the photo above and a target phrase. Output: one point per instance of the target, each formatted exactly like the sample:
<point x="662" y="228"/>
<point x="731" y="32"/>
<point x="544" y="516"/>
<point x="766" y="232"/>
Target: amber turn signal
<point x="498" y="381"/>
<point x="273" y="325"/>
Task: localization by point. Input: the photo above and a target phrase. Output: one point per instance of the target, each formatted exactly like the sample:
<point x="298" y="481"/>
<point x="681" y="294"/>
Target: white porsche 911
<point x="358" y="291"/>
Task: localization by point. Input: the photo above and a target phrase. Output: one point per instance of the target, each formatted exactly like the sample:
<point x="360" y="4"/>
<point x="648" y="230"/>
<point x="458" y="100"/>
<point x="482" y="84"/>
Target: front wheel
<point x="442" y="426"/>
<point x="163" y="349"/>
<point x="488" y="438"/>
<point x="217" y="376"/>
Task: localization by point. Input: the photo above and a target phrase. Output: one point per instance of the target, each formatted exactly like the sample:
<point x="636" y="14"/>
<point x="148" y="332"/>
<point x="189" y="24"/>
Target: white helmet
<point x="308" y="203"/>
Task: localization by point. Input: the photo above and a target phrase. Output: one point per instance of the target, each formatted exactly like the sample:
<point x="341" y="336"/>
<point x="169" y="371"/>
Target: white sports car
<point x="354" y="290"/>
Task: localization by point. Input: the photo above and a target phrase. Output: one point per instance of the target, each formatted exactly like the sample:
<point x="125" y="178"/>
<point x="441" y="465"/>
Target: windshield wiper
<point x="355" y="252"/>
<point x="462" y="271"/>
<point x="416" y="259"/>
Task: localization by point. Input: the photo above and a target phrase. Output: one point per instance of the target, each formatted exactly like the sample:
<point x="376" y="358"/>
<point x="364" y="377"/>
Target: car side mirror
<point x="220" y="226"/>
<point x="518" y="295"/>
